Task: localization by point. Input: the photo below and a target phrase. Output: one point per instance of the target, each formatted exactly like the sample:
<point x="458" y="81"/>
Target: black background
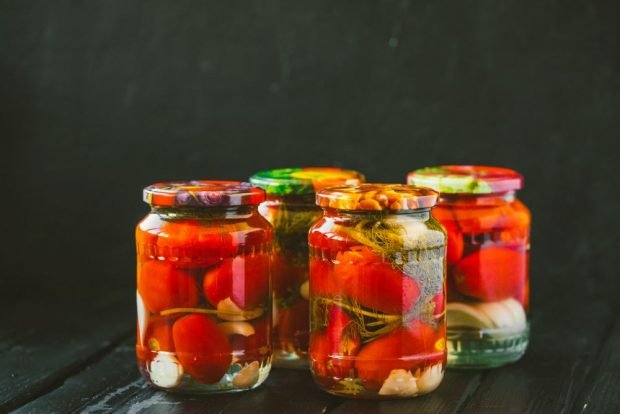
<point x="100" y="98"/>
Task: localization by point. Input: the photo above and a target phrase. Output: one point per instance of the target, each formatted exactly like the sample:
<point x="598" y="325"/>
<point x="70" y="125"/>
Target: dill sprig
<point x="413" y="246"/>
<point x="370" y="324"/>
<point x="399" y="239"/>
<point x="291" y="225"/>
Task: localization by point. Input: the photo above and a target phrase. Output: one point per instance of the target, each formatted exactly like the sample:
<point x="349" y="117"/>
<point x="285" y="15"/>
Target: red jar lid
<point x="202" y="193"/>
<point x="377" y="197"/>
<point x="467" y="179"/>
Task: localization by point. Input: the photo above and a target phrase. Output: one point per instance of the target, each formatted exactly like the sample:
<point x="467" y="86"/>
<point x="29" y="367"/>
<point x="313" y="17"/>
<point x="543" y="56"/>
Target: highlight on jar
<point x="377" y="292"/>
<point x="203" y="295"/>
<point x="290" y="207"/>
<point x="488" y="262"/>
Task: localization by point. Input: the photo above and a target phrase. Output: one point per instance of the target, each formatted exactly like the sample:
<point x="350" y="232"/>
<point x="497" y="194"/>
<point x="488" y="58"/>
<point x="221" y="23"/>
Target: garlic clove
<point x="143" y="318"/>
<point x="236" y="328"/>
<point x="430" y="379"/>
<point x="464" y="315"/>
<point x="247" y="376"/>
<point x="227" y="310"/>
<point x="518" y="313"/>
<point x="304" y="290"/>
<point x="500" y="315"/>
<point x="165" y="370"/>
<point x="400" y="383"/>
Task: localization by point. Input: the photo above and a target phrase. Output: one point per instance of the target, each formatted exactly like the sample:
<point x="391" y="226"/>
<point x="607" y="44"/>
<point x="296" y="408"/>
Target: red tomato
<point x="159" y="335"/>
<point x="440" y="303"/>
<point x="325" y="235"/>
<point x="476" y="219"/>
<point x="523" y="295"/>
<point x="243" y="279"/>
<point x="258" y="233"/>
<point x="491" y="274"/>
<point x="325" y="364"/>
<point x="404" y="348"/>
<point x="143" y="354"/>
<point x="331" y="353"/>
<point x="146" y="243"/>
<point x="373" y="283"/>
<point x="286" y="276"/>
<point x="320" y="348"/>
<point x="455" y="242"/>
<point x="322" y="281"/>
<point x="344" y="341"/>
<point x="342" y="333"/>
<point x="194" y="245"/>
<point x="202" y="348"/>
<point x="471" y="219"/>
<point x="253" y="347"/>
<point x="293" y="326"/>
<point x="162" y="286"/>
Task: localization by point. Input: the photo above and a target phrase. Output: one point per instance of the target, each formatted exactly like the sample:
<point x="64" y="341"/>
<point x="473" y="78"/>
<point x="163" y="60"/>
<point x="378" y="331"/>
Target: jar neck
<point x="227" y="212"/>
<point x="478" y="199"/>
<point x="305" y="200"/>
<point x="421" y="213"/>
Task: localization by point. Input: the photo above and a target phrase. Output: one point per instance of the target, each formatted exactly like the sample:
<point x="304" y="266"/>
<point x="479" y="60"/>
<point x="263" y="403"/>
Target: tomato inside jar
<point x="377" y="292"/>
<point x="488" y="262"/>
<point x="290" y="207"/>
<point x="203" y="289"/>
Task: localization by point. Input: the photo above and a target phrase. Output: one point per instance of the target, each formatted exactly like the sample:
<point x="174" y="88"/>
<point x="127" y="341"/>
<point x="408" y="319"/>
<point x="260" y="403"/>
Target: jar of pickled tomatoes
<point x="488" y="262"/>
<point x="377" y="292"/>
<point x="204" y="302"/>
<point x="290" y="207"/>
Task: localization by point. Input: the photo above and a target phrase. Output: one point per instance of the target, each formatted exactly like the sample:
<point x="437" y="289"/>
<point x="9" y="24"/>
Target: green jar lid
<point x="306" y="180"/>
<point x="467" y="179"/>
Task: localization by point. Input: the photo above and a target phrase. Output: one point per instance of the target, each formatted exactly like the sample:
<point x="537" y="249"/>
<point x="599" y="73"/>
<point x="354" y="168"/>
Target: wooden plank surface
<point x="563" y="346"/>
<point x="564" y="368"/>
<point x="546" y="380"/>
<point x="113" y="384"/>
<point x="56" y="341"/>
<point x="95" y="389"/>
<point x="286" y="391"/>
<point x="601" y="393"/>
<point x="454" y="392"/>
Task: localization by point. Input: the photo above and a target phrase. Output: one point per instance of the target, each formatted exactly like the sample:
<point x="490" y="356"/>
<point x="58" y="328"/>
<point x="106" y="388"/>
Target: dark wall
<point x="100" y="98"/>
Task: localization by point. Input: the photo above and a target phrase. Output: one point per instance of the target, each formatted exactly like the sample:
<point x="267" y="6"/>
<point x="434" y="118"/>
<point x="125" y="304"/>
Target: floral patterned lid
<point x="377" y="197"/>
<point x="467" y="179"/>
<point x="202" y="193"/>
<point x="306" y="180"/>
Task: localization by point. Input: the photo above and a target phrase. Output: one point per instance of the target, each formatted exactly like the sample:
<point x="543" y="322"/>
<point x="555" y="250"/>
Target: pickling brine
<point x="377" y="292"/>
<point x="290" y="208"/>
<point x="203" y="291"/>
<point x="488" y="262"/>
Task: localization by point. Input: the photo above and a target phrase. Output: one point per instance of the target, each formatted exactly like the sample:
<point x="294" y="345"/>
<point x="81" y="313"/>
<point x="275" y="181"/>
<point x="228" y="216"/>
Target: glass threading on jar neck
<point x="421" y="213"/>
<point x="292" y="200"/>
<point x="205" y="213"/>
<point x="492" y="199"/>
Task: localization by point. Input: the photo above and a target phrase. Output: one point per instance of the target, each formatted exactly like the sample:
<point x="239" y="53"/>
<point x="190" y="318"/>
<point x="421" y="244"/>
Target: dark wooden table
<point x="75" y="354"/>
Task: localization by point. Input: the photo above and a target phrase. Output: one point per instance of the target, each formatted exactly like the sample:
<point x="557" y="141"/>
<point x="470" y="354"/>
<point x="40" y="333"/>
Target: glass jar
<point x="290" y="208"/>
<point x="377" y="282"/>
<point x="488" y="262"/>
<point x="204" y="303"/>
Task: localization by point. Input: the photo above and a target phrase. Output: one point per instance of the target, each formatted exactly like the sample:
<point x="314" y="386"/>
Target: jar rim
<point x="467" y="179"/>
<point x="304" y="180"/>
<point x="377" y="197"/>
<point x="202" y="193"/>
